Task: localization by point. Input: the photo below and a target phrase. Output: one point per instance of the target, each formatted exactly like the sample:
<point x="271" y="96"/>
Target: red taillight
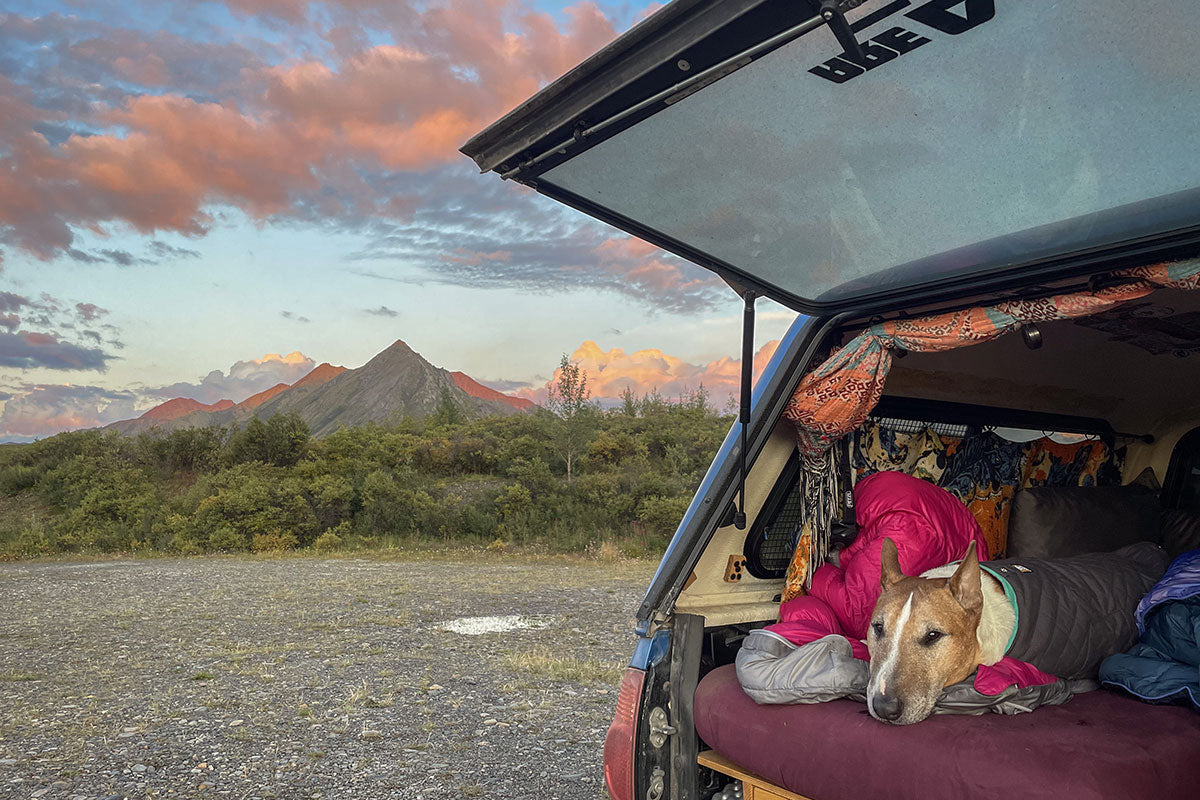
<point x="620" y="744"/>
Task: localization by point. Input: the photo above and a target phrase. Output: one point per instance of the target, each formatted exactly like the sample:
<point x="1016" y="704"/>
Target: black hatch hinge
<point x="834" y="14"/>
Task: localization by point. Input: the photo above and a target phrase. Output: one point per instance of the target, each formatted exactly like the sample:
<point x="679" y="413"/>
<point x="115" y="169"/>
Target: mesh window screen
<point x="772" y="537"/>
<point x="916" y="426"/>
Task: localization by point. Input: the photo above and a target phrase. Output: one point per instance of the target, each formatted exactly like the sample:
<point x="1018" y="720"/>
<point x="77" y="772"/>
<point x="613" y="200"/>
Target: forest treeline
<point x="564" y="478"/>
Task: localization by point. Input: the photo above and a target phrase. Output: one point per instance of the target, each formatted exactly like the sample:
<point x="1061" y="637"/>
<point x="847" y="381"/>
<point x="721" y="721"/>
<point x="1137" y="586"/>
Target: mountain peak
<point x="182" y="406"/>
<point x="477" y="389"/>
<point x="320" y="374"/>
<point x="256" y="400"/>
<point x="397" y="383"/>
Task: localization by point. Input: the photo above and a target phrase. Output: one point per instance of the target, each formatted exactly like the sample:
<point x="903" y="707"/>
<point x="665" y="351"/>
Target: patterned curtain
<point x="836" y="397"/>
<point x="924" y="455"/>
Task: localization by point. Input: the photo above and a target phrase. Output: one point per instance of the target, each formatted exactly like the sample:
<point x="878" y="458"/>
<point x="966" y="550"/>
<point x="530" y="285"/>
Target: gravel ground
<point x="310" y="678"/>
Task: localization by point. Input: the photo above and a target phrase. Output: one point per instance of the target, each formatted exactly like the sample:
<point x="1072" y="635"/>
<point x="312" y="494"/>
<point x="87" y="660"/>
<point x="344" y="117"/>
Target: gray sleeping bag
<point x="773" y="670"/>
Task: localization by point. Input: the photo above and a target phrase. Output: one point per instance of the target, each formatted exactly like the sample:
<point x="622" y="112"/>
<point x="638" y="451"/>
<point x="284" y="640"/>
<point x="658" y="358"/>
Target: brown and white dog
<point x="930" y="632"/>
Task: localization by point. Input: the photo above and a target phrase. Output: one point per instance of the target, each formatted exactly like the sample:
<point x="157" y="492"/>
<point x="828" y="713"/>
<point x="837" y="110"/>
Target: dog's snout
<point x="887" y="707"/>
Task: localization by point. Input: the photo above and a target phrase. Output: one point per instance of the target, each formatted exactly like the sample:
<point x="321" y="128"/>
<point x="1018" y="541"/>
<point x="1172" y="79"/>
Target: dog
<point x="1063" y="616"/>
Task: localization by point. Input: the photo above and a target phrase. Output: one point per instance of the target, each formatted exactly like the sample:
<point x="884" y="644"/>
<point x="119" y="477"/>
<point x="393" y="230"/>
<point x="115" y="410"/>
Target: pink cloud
<point x="610" y="372"/>
<point x="149" y="70"/>
<point x="647" y="266"/>
<point x="276" y="140"/>
<point x="474" y="258"/>
<point x="284" y="9"/>
<point x="89" y="312"/>
<point x="38" y="339"/>
<point x="46" y="409"/>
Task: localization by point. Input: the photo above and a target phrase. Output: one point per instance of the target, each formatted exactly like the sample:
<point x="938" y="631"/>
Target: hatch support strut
<point x="831" y="12"/>
<point x="739" y="517"/>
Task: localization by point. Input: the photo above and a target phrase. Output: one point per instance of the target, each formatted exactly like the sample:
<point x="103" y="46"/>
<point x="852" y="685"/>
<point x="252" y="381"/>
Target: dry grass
<point x="546" y="663"/>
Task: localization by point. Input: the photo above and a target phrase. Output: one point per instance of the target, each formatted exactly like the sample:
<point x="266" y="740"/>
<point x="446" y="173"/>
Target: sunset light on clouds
<point x="185" y="186"/>
<point x="610" y="372"/>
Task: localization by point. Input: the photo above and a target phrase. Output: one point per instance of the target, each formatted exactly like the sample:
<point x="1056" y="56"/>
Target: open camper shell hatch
<point x="963" y="154"/>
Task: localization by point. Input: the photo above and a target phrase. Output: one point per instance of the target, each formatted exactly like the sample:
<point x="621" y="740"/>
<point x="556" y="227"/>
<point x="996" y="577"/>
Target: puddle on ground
<point x="475" y="626"/>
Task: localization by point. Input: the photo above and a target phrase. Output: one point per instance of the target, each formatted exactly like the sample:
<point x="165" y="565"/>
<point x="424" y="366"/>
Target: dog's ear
<point x="964" y="583"/>
<point x="889" y="563"/>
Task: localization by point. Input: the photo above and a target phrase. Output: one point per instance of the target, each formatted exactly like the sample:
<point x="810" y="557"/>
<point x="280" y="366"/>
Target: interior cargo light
<point x="620" y="743"/>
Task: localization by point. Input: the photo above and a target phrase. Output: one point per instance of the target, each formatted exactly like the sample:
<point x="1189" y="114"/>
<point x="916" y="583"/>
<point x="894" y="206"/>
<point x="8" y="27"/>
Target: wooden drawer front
<point x="759" y="792"/>
<point x="753" y="787"/>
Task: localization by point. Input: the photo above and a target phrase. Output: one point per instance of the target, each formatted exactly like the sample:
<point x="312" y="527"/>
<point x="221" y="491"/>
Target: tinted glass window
<point x="984" y="135"/>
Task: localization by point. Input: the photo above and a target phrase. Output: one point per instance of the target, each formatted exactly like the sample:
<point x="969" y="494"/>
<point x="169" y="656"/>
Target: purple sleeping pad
<point x="1100" y="745"/>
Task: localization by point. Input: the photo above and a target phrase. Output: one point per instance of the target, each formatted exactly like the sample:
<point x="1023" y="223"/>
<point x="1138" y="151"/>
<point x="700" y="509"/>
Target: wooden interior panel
<point x="753" y="787"/>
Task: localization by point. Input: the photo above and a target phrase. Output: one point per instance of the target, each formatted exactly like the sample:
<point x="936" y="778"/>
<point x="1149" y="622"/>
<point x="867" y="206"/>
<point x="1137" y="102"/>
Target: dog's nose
<point x="887" y="707"/>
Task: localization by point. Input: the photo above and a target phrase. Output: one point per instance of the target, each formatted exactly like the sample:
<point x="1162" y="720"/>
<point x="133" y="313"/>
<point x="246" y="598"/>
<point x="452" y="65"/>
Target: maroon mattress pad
<point x="1098" y="745"/>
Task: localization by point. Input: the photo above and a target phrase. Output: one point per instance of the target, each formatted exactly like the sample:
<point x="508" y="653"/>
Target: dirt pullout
<point x="306" y="678"/>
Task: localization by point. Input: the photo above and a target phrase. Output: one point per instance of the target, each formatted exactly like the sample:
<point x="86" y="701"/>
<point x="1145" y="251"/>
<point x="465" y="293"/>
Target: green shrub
<point x="282" y="441"/>
<point x="186" y="544"/>
<point x="270" y="486"/>
<point x="514" y="500"/>
<point x="273" y="541"/>
<point x="16" y="478"/>
<point x="332" y="539"/>
<point x="226" y="540"/>
<point x="661" y="515"/>
<point x="36" y="539"/>
<point x="115" y="511"/>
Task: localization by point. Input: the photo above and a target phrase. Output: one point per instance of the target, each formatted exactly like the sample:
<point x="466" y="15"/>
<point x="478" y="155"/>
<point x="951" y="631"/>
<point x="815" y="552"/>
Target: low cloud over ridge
<point x="36" y="410"/>
<point x="241" y="380"/>
<point x="610" y="372"/>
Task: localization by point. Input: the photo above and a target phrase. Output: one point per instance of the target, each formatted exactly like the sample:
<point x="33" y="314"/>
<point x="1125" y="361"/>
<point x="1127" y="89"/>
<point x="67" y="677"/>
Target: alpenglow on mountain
<point x="395" y="384"/>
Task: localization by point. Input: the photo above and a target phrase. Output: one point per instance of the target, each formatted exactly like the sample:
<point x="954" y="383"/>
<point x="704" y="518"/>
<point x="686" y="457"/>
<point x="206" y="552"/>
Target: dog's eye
<point x="878" y="628"/>
<point x="932" y="637"/>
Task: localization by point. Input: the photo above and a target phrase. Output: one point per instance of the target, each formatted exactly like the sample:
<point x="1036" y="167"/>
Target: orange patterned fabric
<point x="795" y="583"/>
<point x="1049" y="463"/>
<point x="991" y="505"/>
<point x="837" y="396"/>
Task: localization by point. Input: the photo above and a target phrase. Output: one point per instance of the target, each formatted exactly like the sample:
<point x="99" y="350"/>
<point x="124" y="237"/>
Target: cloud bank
<point x="611" y="372"/>
<point x="35" y="410"/>
<point x="46" y="333"/>
<point x="38" y="410"/>
<point x="241" y="380"/>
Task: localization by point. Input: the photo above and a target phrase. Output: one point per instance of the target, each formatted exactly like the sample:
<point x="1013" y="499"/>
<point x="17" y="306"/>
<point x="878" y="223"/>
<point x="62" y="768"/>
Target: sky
<point x="203" y="199"/>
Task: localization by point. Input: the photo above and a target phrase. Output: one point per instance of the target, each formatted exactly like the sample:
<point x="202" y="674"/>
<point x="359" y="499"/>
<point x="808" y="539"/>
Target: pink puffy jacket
<point x="930" y="528"/>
